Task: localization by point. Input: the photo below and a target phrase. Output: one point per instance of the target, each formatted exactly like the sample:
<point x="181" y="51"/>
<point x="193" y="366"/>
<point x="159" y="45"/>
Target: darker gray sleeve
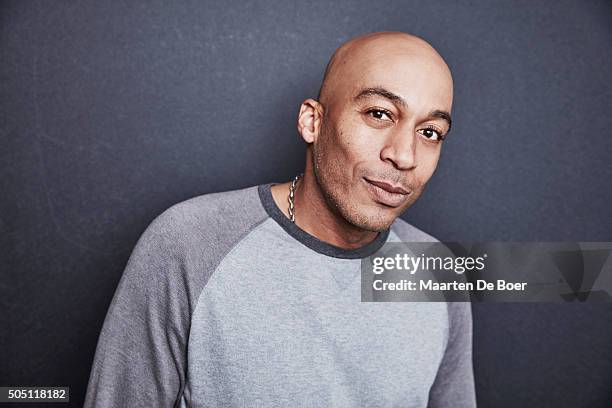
<point x="140" y="356"/>
<point x="454" y="383"/>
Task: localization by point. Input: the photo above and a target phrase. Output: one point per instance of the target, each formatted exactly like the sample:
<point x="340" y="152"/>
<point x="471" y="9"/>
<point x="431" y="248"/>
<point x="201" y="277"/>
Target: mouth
<point x="386" y="193"/>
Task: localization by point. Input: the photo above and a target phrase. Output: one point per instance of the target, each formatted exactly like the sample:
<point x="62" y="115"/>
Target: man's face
<point x="381" y="135"/>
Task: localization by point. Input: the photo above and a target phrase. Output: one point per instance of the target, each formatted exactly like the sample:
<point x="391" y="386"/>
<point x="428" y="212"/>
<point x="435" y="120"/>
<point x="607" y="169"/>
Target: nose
<point x="400" y="148"/>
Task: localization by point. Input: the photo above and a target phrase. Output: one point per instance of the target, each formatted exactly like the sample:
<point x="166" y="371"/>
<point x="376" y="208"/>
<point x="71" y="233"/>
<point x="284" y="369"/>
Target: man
<point x="252" y="297"/>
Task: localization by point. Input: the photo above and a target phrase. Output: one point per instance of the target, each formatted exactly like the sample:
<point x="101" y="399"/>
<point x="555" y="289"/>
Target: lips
<point x="386" y="193"/>
<point x="388" y="187"/>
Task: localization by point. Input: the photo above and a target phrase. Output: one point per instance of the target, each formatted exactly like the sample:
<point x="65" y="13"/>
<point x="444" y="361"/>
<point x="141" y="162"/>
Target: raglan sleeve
<point x="140" y="358"/>
<point x="454" y="382"/>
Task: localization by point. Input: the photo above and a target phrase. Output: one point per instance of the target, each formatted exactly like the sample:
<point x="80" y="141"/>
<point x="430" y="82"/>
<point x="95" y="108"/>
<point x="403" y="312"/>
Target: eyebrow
<point x="377" y="91"/>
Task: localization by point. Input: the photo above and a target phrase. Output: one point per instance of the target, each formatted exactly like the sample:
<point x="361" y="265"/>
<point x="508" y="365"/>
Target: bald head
<point x="353" y="59"/>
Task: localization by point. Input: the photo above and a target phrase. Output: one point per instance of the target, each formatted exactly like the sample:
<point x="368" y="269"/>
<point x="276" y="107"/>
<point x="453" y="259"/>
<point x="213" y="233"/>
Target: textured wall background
<point x="113" y="111"/>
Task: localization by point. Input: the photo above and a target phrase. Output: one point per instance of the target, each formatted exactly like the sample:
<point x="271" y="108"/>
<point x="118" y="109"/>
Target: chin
<point x="375" y="221"/>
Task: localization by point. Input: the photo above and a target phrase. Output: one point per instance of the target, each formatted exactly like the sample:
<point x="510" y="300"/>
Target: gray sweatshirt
<point x="226" y="303"/>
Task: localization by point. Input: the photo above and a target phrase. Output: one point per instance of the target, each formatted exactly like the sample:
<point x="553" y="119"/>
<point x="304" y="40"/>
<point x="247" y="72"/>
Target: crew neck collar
<point x="312" y="242"/>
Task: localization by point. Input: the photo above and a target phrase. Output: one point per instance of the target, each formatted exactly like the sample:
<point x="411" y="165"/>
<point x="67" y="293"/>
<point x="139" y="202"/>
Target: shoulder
<point x="206" y="218"/>
<point x="409" y="233"/>
<point x="179" y="250"/>
<point x="214" y="206"/>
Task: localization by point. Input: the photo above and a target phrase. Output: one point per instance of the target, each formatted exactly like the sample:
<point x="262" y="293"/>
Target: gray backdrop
<point x="113" y="111"/>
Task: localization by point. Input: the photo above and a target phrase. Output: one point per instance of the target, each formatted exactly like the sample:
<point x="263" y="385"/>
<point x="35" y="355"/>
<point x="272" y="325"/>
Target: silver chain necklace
<point x="292" y="197"/>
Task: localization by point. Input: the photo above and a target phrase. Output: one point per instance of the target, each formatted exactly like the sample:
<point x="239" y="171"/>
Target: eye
<point x="431" y="133"/>
<point x="379" y="114"/>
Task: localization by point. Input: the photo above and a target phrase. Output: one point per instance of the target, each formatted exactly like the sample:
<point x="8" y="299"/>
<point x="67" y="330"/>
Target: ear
<point x="309" y="120"/>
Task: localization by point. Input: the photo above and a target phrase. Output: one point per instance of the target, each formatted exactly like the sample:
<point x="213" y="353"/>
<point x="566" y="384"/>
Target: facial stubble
<point x="328" y="173"/>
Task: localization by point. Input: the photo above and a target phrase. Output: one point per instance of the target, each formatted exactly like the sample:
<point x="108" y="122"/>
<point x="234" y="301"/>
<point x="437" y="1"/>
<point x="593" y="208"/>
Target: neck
<point x="313" y="214"/>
